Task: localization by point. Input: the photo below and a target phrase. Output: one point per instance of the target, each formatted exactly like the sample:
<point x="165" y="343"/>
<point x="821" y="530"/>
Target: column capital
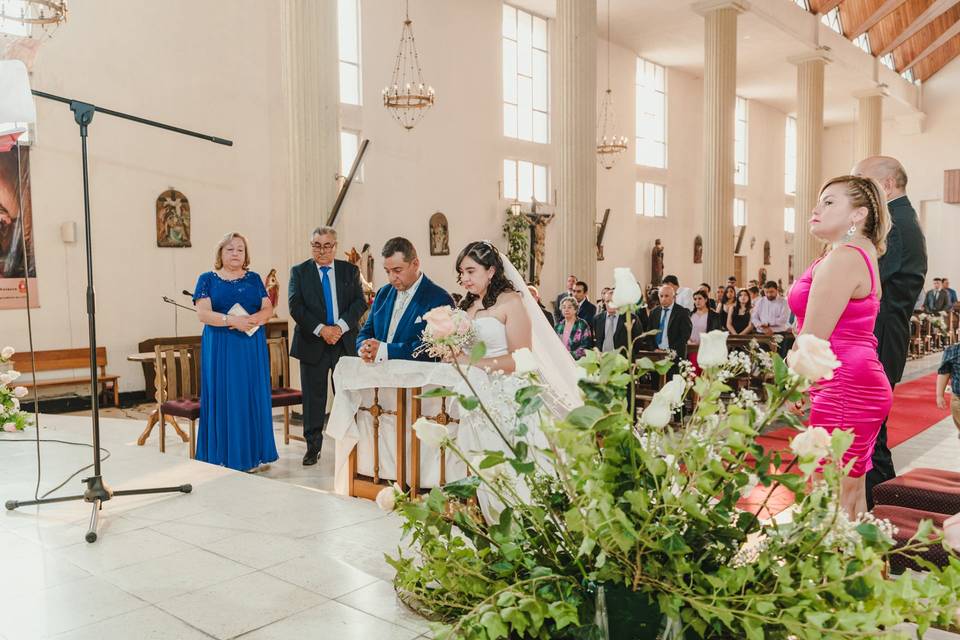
<point x="821" y="54"/>
<point x="881" y="90"/>
<point x="703" y="7"/>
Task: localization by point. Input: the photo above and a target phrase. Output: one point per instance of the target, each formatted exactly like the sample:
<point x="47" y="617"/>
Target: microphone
<point x="189" y="294"/>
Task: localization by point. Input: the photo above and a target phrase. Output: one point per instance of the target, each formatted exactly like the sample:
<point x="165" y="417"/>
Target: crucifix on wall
<point x="538" y="241"/>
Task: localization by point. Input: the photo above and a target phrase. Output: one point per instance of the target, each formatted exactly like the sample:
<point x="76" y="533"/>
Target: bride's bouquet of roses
<point x="12" y="419"/>
<point x="449" y="331"/>
<point x="632" y="523"/>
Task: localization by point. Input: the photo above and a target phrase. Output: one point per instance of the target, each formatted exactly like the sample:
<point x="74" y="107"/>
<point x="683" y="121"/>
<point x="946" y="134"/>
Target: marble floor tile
<point x="332" y="620"/>
<point x="326" y="575"/>
<point x="119" y="550"/>
<point x="227" y="609"/>
<point x="380" y="600"/>
<point x="175" y="574"/>
<point x="148" y="623"/>
<point x="257" y="550"/>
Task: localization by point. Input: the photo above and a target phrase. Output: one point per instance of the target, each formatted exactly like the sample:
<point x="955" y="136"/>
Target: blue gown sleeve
<point x="202" y="290"/>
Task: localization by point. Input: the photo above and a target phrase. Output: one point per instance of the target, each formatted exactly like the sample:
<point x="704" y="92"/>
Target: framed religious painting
<point x="173" y="219"/>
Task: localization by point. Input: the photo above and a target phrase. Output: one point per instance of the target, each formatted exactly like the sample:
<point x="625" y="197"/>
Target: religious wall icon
<point x="439" y="235"/>
<point x="698" y="250"/>
<point x="656" y="266"/>
<point x="766" y="252"/>
<point x="173" y="219"/>
<point x="762" y="276"/>
<point x="272" y="284"/>
<point x="790" y="269"/>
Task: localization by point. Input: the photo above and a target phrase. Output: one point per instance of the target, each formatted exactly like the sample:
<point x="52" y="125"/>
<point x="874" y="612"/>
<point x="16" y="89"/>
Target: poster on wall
<point x="16" y="225"/>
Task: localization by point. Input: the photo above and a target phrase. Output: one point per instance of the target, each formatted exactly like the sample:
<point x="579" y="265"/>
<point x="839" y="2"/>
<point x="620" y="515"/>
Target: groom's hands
<point x="368" y="349"/>
<point x="331" y="334"/>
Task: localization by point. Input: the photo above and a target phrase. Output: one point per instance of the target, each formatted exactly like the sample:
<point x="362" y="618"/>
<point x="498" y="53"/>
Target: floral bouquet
<point x="632" y="526"/>
<point x="11" y="417"/>
<point x="449" y="332"/>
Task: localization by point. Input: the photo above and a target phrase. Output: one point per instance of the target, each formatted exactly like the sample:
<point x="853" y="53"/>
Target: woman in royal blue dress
<point x="236" y="423"/>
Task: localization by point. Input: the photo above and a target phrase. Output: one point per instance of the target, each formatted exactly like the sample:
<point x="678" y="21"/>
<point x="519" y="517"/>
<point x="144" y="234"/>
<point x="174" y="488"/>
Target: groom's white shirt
<point x="400" y="304"/>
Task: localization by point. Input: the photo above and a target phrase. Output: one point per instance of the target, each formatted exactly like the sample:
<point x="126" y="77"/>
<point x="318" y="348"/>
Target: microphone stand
<point x="97" y="491"/>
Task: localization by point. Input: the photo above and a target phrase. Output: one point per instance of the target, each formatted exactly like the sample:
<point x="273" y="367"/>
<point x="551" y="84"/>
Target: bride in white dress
<point x="507" y="318"/>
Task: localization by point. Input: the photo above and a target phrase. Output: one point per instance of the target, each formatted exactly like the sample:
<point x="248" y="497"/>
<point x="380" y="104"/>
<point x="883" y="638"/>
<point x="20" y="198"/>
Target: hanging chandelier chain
<point x="407" y="97"/>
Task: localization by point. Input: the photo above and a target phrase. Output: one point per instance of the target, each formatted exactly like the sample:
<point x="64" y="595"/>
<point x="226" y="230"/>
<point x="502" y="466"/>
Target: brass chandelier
<point x="23" y="18"/>
<point x="407" y="97"/>
<point x="609" y="145"/>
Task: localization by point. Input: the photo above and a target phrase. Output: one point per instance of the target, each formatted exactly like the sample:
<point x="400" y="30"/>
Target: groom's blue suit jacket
<point x="406" y="338"/>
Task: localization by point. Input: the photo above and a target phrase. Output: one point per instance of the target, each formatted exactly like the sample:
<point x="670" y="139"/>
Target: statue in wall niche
<point x="762" y="276"/>
<point x="439" y="235"/>
<point x="790" y="269"/>
<point x="357" y="260"/>
<point x="698" y="250"/>
<point x="366" y="263"/>
<point x="173" y="219"/>
<point x="656" y="260"/>
<point x="766" y="252"/>
<point x="272" y="285"/>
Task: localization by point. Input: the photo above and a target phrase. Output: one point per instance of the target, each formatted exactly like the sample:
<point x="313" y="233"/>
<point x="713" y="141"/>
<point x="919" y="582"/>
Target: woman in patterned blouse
<point x="573" y="331"/>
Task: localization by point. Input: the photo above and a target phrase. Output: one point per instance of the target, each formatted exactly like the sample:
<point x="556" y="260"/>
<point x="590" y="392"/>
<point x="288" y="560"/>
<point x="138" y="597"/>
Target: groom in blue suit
<point x="395" y="323"/>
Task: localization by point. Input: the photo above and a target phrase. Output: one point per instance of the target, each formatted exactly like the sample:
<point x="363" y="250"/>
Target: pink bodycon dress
<point x="858" y="398"/>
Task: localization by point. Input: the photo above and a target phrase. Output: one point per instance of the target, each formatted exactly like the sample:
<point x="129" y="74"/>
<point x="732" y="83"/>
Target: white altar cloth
<point x="355" y="381"/>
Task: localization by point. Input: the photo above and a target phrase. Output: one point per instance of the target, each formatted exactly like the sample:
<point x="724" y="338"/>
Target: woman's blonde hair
<point x="867" y="192"/>
<point x="218" y="259"/>
<point x="571" y="300"/>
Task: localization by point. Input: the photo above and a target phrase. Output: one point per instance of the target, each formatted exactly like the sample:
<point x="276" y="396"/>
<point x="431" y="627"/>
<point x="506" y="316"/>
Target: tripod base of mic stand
<point x="97" y="493"/>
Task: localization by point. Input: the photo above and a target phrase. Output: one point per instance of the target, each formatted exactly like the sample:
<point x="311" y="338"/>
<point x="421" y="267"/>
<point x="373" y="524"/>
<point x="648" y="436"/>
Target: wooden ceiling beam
<point x="933" y="12"/>
<point x="828" y="6"/>
<point x="882" y="12"/>
<point x="932" y="70"/>
<point x="933" y="46"/>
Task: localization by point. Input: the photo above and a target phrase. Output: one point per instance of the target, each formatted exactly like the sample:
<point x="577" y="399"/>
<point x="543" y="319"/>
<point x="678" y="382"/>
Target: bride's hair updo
<point x="486" y="255"/>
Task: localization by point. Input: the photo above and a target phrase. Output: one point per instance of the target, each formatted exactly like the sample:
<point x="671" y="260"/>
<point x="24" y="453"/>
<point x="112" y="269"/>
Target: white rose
<point x="671" y="393"/>
<point x="525" y="361"/>
<point x="951" y="533"/>
<point x="657" y="414"/>
<point x="4" y="379"/>
<point x="16" y="404"/>
<point x="12" y="375"/>
<point x="7" y="352"/>
<point x="430" y="433"/>
<point x="626" y="291"/>
<point x="19" y="391"/>
<point x="386" y="499"/>
<point x="813" y="359"/>
<point x="812" y="443"/>
<point x="713" y="349"/>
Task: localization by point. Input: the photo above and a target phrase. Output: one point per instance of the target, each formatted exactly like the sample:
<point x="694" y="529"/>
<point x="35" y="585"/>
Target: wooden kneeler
<point x="442" y="418"/>
<point x="365" y="486"/>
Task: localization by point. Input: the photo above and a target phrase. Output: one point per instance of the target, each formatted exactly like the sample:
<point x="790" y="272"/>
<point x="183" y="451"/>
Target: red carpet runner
<point x="914" y="411"/>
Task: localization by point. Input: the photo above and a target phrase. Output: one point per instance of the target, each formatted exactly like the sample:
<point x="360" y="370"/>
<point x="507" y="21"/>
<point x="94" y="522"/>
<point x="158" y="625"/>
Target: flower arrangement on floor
<point x="626" y="525"/>
<point x="11" y="417"/>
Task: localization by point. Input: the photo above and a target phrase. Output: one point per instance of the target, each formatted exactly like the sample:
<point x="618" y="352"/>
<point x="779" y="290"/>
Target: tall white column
<point x="719" y="109"/>
<point x="312" y="94"/>
<point x="869" y="127"/>
<point x="576" y="47"/>
<point x="810" y="73"/>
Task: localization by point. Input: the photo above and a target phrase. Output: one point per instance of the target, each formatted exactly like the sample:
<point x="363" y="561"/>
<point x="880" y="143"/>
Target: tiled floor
<point x="242" y="556"/>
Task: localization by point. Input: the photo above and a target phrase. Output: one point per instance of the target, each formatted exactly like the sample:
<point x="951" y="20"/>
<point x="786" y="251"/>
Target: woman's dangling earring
<point x="851" y="232"/>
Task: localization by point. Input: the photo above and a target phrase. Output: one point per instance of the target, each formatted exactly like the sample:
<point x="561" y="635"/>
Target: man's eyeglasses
<point x="327" y="246"/>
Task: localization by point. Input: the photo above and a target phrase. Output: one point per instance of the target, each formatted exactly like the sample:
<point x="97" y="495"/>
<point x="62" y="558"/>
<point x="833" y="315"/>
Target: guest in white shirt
<point x="771" y="315"/>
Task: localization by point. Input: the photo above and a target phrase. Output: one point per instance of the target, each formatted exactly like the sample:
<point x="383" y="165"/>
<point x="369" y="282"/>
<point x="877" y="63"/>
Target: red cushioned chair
<point x="178" y="389"/>
<point x="281" y="393"/>
<point x="933" y="490"/>
<point x="907" y="522"/>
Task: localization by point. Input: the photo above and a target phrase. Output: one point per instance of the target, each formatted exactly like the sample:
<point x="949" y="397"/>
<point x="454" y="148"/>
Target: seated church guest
<point x="536" y="296"/>
<point x="729" y="300"/>
<point x="236" y="423"/>
<point x="711" y="303"/>
<point x="949" y="372"/>
<point x="936" y="300"/>
<point x="771" y="316"/>
<point x="672" y="323"/>
<point x="568" y="293"/>
<point x="326" y="302"/>
<point x="951" y="293"/>
<point x="682" y="295"/>
<point x="610" y="327"/>
<point x="703" y="320"/>
<point x="739" y="315"/>
<point x="586" y="310"/>
<point x="573" y="331"/>
<point x="395" y="323"/>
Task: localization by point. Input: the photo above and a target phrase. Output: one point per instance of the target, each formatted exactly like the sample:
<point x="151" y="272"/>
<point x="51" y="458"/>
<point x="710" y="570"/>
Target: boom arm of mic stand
<point x="176" y="304"/>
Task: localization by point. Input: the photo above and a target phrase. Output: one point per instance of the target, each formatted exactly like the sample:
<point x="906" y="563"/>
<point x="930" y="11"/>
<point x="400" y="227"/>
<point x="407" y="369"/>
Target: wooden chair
<point x="63" y="360"/>
<point x="281" y="393"/>
<point x="178" y="389"/>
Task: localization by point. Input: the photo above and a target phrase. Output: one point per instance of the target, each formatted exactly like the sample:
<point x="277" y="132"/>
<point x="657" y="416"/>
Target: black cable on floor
<point x="73" y="475"/>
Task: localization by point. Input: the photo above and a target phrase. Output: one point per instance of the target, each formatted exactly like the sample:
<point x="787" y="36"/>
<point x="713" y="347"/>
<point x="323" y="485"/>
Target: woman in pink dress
<point x="837" y="298"/>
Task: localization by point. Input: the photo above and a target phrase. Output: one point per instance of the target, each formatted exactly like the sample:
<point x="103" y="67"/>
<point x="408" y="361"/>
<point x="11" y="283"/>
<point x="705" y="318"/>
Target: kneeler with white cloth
<point x="372" y="401"/>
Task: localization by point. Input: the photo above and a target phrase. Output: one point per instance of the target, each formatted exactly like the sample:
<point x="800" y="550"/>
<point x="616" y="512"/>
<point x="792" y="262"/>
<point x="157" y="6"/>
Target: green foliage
<point x="654" y="512"/>
<point x="516" y="230"/>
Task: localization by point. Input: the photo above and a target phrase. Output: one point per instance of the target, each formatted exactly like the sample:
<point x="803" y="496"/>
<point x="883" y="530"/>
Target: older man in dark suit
<point x="673" y="325"/>
<point x="903" y="270"/>
<point x="326" y="302"/>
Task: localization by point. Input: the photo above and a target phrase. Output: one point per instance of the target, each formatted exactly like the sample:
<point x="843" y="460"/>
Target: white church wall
<point x="191" y="64"/>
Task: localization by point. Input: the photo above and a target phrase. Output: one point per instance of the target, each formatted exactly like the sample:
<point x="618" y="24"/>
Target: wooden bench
<point x="63" y="359"/>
